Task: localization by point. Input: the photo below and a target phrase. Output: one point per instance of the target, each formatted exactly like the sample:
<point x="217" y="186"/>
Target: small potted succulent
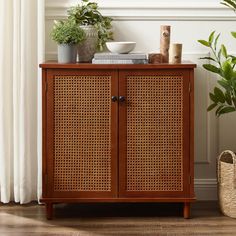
<point x="96" y="26"/>
<point x="67" y="34"/>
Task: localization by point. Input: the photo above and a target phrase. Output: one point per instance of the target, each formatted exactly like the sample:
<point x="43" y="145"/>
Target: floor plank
<point x="114" y="219"/>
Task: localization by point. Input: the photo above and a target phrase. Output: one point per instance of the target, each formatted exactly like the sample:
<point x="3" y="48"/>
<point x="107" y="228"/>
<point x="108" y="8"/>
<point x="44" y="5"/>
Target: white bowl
<point x="120" y="47"/>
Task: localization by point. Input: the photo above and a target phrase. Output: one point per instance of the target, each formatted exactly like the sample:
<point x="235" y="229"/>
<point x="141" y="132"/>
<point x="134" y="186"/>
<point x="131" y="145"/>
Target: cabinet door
<point x="81" y="134"/>
<point x="154" y="133"/>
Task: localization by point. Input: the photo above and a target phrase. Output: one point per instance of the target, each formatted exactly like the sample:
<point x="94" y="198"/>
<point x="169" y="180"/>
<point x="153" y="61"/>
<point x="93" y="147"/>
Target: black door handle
<point x="121" y="98"/>
<point x="114" y="98"/>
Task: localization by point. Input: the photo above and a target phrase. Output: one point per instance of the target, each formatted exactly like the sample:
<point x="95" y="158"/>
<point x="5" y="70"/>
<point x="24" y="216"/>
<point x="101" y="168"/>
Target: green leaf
<point x="219" y="54"/>
<point x="228" y="98"/>
<point x="213" y="98"/>
<point x="234" y="101"/>
<point x="207" y="58"/>
<point x="225" y="84"/>
<point x="204" y="42"/>
<point x="234" y="75"/>
<point x="224" y="51"/>
<point x="233" y="34"/>
<point x="227" y="70"/>
<point x="219" y="95"/>
<point x="216" y="40"/>
<point x="231" y="56"/>
<point x="234" y="60"/>
<point x="211" y="37"/>
<point x="233" y="81"/>
<point x="229" y="3"/>
<point x="218" y="109"/>
<point x="212" y="106"/>
<point x="225" y="110"/>
<point x="211" y="68"/>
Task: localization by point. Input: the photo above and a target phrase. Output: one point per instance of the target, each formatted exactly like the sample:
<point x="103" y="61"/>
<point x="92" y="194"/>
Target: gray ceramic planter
<point x="67" y="53"/>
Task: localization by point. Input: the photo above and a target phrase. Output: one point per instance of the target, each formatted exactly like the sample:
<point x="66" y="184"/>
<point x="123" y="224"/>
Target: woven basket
<point x="227" y="183"/>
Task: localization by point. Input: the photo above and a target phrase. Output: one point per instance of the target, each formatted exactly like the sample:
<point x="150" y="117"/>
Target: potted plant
<point x="223" y="99"/>
<point x="67" y="34"/>
<point x="96" y="26"/>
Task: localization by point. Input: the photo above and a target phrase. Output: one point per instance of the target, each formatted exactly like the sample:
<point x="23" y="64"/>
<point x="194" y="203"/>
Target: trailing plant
<point x="223" y="97"/>
<point x="67" y="32"/>
<point x="87" y="13"/>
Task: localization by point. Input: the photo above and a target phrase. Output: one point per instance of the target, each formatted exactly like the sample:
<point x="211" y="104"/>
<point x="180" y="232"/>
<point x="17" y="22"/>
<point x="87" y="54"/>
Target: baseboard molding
<point x="206" y="189"/>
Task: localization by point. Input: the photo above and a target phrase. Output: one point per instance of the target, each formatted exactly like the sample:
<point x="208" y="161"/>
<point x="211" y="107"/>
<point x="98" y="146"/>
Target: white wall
<point x="136" y="20"/>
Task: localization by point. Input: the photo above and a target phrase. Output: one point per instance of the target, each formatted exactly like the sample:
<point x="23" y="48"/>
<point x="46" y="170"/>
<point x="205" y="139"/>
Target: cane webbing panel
<point x="154" y="133"/>
<point x="82" y="137"/>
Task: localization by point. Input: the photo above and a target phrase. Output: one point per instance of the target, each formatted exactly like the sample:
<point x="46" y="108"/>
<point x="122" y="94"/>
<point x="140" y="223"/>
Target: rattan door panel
<point x="82" y="141"/>
<point x="154" y="133"/>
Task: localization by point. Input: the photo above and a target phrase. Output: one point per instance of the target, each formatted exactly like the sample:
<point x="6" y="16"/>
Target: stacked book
<point x="116" y="58"/>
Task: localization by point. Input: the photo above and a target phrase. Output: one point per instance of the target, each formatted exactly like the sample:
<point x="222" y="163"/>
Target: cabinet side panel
<point x="44" y="132"/>
<point x="192" y="193"/>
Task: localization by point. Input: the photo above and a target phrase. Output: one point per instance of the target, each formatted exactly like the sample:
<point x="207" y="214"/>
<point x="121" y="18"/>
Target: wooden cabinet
<point x="118" y="133"/>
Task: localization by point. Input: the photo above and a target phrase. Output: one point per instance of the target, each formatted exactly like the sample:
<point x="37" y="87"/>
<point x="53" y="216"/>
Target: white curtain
<point x="21" y="49"/>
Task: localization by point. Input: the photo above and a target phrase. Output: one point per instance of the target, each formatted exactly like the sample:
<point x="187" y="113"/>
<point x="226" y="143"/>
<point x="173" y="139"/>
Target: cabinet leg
<point x="186" y="210"/>
<point x="49" y="210"/>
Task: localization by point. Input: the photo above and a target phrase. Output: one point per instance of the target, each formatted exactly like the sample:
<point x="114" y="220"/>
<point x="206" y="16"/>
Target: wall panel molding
<point x="150" y="10"/>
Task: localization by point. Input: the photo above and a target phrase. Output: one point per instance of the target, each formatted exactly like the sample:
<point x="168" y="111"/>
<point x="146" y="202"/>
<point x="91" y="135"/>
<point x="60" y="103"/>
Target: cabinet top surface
<point x="56" y="65"/>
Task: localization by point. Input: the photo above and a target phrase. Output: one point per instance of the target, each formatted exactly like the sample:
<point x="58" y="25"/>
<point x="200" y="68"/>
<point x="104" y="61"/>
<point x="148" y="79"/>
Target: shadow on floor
<point x="117" y="209"/>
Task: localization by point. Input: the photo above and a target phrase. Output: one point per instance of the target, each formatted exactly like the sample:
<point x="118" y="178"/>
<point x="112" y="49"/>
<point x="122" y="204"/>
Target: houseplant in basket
<point x="67" y="34"/>
<point x="223" y="99"/>
<point x="96" y="26"/>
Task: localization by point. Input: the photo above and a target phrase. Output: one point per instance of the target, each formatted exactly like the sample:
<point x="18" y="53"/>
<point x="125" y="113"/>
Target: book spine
<point x="135" y="61"/>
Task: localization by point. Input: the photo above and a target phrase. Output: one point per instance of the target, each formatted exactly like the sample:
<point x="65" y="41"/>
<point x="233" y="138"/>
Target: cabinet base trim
<point x="71" y="200"/>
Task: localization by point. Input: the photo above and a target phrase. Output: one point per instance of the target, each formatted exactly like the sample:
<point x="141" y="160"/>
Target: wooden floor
<point x="114" y="219"/>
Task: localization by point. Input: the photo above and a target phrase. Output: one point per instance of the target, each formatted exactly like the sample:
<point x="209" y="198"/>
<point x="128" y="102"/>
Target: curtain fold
<point x="22" y="48"/>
